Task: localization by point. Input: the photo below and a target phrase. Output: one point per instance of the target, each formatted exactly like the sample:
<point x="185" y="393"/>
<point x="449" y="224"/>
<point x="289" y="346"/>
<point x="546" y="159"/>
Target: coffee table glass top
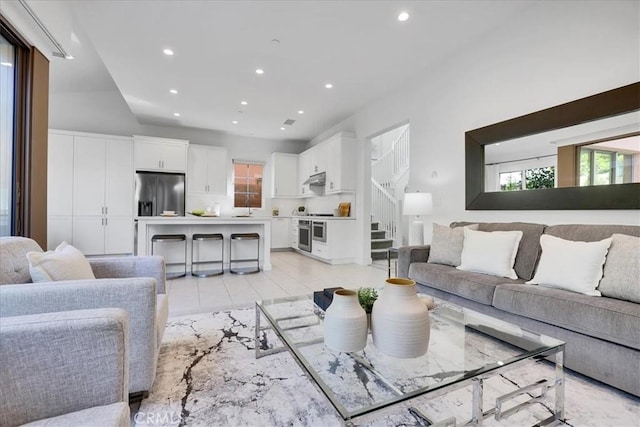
<point x="463" y="344"/>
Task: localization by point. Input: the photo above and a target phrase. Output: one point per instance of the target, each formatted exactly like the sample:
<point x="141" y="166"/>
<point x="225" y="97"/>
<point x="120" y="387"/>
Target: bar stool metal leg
<point x="201" y="238"/>
<point x="245" y="270"/>
<point x="171" y="238"/>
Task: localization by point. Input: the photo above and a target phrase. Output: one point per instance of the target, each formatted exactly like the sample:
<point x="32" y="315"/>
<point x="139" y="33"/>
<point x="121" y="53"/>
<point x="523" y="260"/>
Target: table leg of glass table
<point x="477" y="416"/>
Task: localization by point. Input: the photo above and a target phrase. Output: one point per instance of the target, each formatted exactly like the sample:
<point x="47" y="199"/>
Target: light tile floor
<point x="291" y="274"/>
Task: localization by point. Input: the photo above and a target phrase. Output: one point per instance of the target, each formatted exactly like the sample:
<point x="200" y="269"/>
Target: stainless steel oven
<point x="304" y="235"/>
<point x="319" y="231"/>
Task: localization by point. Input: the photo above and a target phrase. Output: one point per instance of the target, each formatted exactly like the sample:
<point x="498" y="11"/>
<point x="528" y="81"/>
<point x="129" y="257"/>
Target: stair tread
<point x="381" y="240"/>
<point x="379" y="250"/>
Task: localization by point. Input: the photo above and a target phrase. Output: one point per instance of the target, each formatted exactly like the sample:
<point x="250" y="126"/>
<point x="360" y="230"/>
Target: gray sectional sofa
<point x="602" y="334"/>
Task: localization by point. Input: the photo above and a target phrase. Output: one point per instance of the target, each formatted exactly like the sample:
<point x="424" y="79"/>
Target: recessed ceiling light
<point x="173" y="91"/>
<point x="403" y="16"/>
<point x="69" y="57"/>
<point x="235" y="122"/>
<point x="259" y="71"/>
<point x="176" y="114"/>
<point x="328" y="85"/>
<point x="300" y="111"/>
<point x="243" y="102"/>
<point x="168" y="52"/>
<point x="282" y="128"/>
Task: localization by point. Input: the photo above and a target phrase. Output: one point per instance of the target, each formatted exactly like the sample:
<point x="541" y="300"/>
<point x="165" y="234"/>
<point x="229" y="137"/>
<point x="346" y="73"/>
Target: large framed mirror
<point x="577" y="141"/>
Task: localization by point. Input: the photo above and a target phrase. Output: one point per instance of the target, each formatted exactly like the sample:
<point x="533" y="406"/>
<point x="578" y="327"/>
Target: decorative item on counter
<point x="345" y="323"/>
<point x="275" y="211"/>
<point x="301" y="210"/>
<point x="366" y="297"/>
<point x="400" y="320"/>
<point x="344" y="208"/>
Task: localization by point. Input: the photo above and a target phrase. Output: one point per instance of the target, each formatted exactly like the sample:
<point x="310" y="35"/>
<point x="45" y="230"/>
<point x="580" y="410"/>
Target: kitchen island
<point x="148" y="226"/>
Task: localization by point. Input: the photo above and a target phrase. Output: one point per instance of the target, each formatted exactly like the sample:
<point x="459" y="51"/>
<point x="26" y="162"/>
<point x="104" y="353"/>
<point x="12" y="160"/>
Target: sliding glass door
<point x="7" y="136"/>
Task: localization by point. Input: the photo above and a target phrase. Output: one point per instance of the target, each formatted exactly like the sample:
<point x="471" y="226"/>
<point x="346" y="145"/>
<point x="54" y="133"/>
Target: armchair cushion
<point x="65" y="263"/>
<point x="14" y="267"/>
<point x="58" y="363"/>
<point x="116" y="415"/>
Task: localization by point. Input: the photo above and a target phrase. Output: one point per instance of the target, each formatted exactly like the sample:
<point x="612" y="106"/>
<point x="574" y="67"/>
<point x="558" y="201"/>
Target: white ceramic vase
<point x="345" y="323"/>
<point x="400" y="320"/>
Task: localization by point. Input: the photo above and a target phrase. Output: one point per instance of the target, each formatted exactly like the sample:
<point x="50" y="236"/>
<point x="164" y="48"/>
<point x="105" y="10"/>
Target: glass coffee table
<point x="465" y="348"/>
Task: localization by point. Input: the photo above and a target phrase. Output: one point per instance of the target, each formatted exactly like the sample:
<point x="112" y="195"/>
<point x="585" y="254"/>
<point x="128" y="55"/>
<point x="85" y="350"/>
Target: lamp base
<point x="416" y="233"/>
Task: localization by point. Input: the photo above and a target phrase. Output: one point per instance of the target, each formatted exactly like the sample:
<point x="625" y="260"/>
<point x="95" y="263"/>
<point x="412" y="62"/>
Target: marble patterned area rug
<point x="208" y="376"/>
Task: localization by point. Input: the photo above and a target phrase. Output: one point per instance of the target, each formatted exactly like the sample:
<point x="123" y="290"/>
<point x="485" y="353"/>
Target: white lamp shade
<point x="417" y="204"/>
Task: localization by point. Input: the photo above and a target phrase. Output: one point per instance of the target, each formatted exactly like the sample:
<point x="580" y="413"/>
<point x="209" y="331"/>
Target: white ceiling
<point x="359" y="46"/>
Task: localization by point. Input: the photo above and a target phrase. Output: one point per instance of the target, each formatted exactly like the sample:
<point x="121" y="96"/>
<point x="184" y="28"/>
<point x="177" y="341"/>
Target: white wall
<point x="555" y="53"/>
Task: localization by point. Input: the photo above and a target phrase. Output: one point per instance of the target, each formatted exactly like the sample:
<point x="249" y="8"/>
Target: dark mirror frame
<point x="606" y="104"/>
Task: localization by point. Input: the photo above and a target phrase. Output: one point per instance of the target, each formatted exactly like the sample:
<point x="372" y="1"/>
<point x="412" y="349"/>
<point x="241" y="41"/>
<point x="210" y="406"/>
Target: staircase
<point x="379" y="242"/>
<point x="386" y="174"/>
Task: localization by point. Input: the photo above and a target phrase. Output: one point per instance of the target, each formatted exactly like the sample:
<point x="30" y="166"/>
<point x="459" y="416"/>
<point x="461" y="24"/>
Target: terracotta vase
<point x="345" y="323"/>
<point x="400" y="320"/>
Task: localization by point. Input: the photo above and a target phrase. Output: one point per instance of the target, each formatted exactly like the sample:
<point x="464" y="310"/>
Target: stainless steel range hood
<point x="317" y="179"/>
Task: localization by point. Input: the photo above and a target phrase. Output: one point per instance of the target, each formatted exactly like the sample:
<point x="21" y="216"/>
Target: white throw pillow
<point x="65" y="263"/>
<point x="446" y="244"/>
<point x="570" y="265"/>
<point x="621" y="275"/>
<point x="490" y="252"/>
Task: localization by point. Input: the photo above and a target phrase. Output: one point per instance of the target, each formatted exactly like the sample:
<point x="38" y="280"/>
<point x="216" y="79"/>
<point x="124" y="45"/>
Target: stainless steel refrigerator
<point x="158" y="192"/>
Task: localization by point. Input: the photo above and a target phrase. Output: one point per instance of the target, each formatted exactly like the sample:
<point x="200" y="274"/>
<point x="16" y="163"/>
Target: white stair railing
<point x="385" y="171"/>
<point x="385" y="210"/>
<point x="393" y="163"/>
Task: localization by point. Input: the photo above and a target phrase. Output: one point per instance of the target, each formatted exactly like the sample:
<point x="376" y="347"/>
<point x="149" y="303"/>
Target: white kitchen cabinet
<point x="305" y="170"/>
<point x="284" y="175"/>
<point x="341" y="170"/>
<point x="100" y="235"/>
<point x="102" y="176"/>
<point x="59" y="229"/>
<point x="118" y="235"/>
<point x="319" y="249"/>
<point x="89" y="159"/>
<point x="294" y="233"/>
<point x="97" y="175"/>
<point x="318" y="159"/>
<point x="207" y="172"/>
<point x="280" y="233"/>
<point x="88" y="234"/>
<point x="160" y="154"/>
<point x="60" y="175"/>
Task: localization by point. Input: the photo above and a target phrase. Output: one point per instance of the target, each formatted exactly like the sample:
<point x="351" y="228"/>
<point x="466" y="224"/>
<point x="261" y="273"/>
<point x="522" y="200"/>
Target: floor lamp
<point x="416" y="204"/>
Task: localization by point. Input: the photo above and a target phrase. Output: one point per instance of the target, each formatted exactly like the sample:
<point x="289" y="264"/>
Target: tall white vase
<point x="345" y="323"/>
<point x="400" y="321"/>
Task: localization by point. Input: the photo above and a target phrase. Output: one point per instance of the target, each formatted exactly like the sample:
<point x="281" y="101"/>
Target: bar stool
<point x="172" y="238"/>
<point x="246" y="270"/>
<point x="202" y="238"/>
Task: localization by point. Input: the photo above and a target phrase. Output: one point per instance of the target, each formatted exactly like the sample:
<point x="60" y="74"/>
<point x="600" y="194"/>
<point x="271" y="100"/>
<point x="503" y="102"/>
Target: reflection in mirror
<point x="601" y="152"/>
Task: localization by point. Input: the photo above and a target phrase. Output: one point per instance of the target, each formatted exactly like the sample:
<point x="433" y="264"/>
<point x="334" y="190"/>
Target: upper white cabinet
<point x="341" y="170"/>
<point x="160" y="154"/>
<point x="284" y="175"/>
<point x="337" y="157"/>
<point x="207" y="173"/>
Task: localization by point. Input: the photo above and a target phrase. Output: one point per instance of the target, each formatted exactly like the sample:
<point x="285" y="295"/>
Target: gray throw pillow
<point x="621" y="278"/>
<point x="446" y="245"/>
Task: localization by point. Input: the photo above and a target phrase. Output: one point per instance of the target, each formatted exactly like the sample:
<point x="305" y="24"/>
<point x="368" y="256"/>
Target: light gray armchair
<point x="134" y="284"/>
<point x="65" y="369"/>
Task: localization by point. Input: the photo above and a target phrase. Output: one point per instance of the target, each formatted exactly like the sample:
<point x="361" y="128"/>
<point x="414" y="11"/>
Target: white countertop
<point x="318" y="218"/>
